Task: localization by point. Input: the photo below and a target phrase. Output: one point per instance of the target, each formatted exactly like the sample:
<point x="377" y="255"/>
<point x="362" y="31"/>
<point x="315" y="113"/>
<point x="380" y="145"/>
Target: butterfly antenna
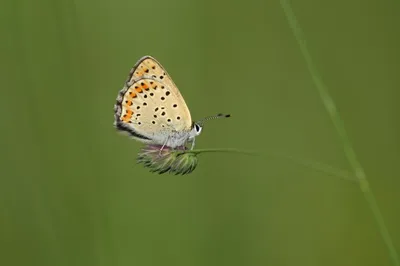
<point x="201" y="122"/>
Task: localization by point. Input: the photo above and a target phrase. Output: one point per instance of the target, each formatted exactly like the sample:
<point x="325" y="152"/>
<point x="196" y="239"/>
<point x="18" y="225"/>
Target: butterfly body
<point x="151" y="109"/>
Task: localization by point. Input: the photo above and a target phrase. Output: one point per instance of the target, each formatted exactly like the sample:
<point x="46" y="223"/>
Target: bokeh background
<point x="72" y="194"/>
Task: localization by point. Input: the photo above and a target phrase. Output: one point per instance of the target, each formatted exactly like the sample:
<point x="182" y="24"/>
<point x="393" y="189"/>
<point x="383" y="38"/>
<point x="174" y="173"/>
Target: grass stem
<point x="339" y="125"/>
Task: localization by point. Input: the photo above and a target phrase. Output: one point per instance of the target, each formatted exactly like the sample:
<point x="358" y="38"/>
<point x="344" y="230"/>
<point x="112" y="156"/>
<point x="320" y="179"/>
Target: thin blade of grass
<point x="321" y="167"/>
<point x="339" y="125"/>
<point x="311" y="164"/>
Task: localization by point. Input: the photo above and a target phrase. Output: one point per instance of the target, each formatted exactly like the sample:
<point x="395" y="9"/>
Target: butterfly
<point x="151" y="109"/>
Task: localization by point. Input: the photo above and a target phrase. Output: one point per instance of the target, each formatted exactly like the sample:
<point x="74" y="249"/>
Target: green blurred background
<point x="72" y="194"/>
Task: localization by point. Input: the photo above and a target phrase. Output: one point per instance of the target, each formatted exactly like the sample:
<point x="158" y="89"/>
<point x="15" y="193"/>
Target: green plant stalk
<point x="198" y="151"/>
<point x="339" y="125"/>
<point x="321" y="167"/>
<point x="303" y="162"/>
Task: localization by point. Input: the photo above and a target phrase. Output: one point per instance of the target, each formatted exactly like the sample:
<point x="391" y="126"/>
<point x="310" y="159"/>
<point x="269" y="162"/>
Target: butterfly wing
<point x="148" y="67"/>
<point x="150" y="104"/>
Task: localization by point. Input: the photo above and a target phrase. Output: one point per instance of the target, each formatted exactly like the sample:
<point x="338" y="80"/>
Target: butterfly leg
<point x="162" y="147"/>
<point x="192" y="147"/>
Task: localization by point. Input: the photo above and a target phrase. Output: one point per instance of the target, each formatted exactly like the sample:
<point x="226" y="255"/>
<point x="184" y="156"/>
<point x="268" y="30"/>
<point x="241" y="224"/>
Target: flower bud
<point x="167" y="160"/>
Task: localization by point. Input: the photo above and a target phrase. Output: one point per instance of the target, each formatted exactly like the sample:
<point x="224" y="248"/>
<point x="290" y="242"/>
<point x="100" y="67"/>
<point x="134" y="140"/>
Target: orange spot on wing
<point x="125" y="118"/>
<point x="138" y="89"/>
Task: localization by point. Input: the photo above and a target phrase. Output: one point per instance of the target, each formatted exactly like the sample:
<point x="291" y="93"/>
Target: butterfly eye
<point x="198" y="128"/>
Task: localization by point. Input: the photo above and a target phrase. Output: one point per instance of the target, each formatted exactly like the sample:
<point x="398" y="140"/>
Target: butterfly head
<point x="198" y="126"/>
<point x="196" y="130"/>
